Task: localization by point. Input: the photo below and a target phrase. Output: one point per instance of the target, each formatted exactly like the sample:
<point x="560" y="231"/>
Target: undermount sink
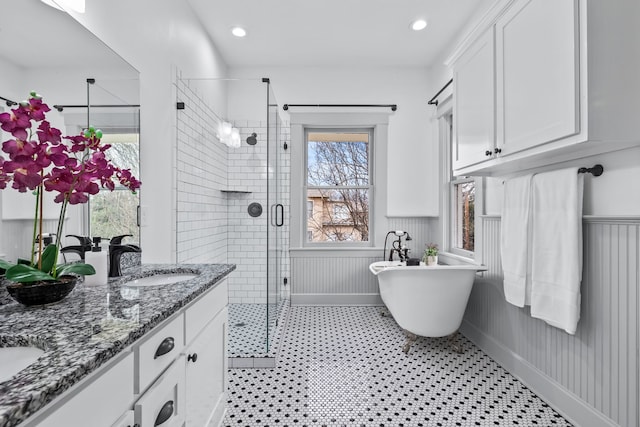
<point x="160" y="279"/>
<point x="15" y="359"/>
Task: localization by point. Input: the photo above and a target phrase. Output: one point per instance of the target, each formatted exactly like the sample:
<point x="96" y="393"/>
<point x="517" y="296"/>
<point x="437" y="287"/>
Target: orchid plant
<point x="38" y="161"/>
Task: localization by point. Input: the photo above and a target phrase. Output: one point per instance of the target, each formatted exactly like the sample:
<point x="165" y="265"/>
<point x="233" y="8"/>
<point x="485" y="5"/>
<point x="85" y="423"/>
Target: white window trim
<point x="449" y="253"/>
<point x="379" y="122"/>
<point x="370" y="187"/>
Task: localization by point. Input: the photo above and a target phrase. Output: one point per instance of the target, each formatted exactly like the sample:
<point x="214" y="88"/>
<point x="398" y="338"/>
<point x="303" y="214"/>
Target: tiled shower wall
<point x="247" y="183"/>
<point x="201" y="174"/>
<point x="594" y="375"/>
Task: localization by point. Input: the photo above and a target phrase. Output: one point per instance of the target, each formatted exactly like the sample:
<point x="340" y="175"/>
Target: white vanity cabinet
<point x="174" y="376"/>
<point x="563" y="80"/>
<point x="126" y="420"/>
<point x="206" y="358"/>
<point x="206" y="374"/>
<point x="164" y="402"/>
<point x="474" y="103"/>
<point x="192" y="347"/>
<point x="98" y="401"/>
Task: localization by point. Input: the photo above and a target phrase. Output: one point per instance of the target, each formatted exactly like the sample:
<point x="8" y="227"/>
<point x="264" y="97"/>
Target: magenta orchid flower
<point x="75" y="168"/>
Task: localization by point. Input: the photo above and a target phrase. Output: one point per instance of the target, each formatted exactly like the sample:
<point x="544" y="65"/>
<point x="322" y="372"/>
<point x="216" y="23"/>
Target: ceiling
<point x="332" y="33"/>
<point x="34" y="35"/>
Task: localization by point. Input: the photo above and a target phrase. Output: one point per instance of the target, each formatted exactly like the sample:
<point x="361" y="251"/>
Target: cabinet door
<point x="126" y="420"/>
<point x="537" y="73"/>
<point x="100" y="403"/>
<point x="474" y="106"/>
<point x="206" y="373"/>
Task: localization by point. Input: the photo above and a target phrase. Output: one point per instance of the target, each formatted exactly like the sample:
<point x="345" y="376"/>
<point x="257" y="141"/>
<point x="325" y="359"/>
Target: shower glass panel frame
<point x="239" y="179"/>
<point x="112" y="106"/>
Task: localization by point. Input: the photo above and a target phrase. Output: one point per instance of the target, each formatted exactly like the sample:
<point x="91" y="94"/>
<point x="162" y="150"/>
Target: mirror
<point x="45" y="50"/>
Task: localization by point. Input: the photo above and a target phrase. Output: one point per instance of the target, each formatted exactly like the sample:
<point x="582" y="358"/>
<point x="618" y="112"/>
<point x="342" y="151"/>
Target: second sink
<point x="15" y="359"/>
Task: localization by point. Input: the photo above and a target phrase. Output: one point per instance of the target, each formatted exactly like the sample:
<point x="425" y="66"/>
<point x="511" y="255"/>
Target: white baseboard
<point x="336" y="299"/>
<point x="570" y="406"/>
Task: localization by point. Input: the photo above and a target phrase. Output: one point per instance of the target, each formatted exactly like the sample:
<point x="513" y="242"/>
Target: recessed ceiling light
<point x="238" y="31"/>
<point x="418" y="24"/>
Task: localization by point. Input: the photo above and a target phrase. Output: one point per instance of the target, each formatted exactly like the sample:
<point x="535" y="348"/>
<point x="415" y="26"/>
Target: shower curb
<point x="268" y="360"/>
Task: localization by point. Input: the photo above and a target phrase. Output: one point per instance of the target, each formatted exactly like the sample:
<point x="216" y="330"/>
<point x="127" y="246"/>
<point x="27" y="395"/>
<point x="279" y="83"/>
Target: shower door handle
<point x="280" y="207"/>
<point x="274" y="217"/>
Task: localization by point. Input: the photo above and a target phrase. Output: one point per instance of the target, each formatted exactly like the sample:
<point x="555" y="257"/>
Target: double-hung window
<point x="459" y="201"/>
<point x="463" y="196"/>
<point x="338" y="185"/>
<point x="116" y="213"/>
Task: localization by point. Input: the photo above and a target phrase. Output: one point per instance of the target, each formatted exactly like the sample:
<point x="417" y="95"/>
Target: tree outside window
<point x="115" y="213"/>
<point x="338" y="185"/>
<point x="464" y="235"/>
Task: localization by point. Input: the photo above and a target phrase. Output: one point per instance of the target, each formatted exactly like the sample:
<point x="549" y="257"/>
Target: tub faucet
<point x="397" y="246"/>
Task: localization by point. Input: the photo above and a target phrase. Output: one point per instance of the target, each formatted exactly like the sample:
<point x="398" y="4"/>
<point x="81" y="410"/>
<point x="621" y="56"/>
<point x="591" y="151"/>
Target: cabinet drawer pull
<point x="488" y="153"/>
<point x="165" y="347"/>
<point x="165" y="413"/>
<point x="497" y="150"/>
<point x="192" y="357"/>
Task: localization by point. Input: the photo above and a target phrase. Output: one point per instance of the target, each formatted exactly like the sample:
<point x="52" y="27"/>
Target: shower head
<point x="252" y="139"/>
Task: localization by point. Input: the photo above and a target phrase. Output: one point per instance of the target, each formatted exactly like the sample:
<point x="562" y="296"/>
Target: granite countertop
<point x="86" y="329"/>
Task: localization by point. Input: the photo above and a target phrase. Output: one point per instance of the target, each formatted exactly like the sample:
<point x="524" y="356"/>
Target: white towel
<point x="556" y="259"/>
<point x="514" y="241"/>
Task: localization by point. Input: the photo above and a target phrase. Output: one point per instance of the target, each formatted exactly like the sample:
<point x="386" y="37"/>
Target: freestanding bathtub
<point x="425" y="300"/>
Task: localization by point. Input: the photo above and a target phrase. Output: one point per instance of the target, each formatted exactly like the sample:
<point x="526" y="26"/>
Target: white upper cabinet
<point x="537" y="74"/>
<point x="559" y="83"/>
<point x="474" y="106"/>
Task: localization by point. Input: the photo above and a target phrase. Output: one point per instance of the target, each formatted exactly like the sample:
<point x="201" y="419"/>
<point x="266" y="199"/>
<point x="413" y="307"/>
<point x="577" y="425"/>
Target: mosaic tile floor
<point x="344" y="366"/>
<point x="247" y="328"/>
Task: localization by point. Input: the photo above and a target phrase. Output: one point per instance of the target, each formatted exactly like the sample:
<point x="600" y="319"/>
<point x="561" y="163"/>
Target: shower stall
<point x="232" y="198"/>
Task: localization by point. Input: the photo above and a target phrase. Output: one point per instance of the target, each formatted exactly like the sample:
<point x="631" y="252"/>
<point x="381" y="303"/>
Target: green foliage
<point x="431" y="250"/>
<point x="27" y="273"/>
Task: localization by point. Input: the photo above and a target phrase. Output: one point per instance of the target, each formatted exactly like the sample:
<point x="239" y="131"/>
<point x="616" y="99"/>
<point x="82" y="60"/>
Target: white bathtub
<point x="425" y="300"/>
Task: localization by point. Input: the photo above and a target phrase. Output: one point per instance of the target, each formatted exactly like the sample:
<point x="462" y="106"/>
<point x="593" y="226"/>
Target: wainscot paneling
<point x="338" y="276"/>
<point x="334" y="280"/>
<point x="591" y="377"/>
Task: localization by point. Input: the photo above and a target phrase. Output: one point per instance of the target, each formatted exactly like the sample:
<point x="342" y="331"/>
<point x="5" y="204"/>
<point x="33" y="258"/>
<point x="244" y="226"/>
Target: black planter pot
<point x="43" y="292"/>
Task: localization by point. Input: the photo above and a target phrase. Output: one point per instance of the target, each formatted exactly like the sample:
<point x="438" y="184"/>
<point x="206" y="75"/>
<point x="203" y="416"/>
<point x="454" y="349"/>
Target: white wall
<point x="171" y="37"/>
<point x="412" y="154"/>
<point x="614" y="193"/>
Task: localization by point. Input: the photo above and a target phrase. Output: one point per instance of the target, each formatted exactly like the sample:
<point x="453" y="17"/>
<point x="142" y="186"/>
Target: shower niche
<point x="232" y="201"/>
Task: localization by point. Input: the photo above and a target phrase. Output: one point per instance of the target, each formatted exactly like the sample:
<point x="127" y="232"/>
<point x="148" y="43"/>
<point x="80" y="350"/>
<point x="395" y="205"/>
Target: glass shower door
<point x="276" y="218"/>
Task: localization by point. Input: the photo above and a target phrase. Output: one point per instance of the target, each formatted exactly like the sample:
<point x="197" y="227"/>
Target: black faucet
<point x="116" y="249"/>
<point x="397" y="246"/>
<point x="84" y="246"/>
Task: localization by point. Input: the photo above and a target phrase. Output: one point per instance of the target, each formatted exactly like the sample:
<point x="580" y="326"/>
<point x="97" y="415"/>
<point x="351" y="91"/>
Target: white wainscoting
<point x="593" y="376"/>
<point x="342" y="279"/>
<point x="336" y="276"/>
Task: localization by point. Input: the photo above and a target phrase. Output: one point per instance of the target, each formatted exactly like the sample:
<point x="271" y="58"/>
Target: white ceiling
<point x="334" y="32"/>
<point x="34" y="35"/>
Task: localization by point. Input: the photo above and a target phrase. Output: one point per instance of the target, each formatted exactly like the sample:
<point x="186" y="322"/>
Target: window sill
<point x="333" y="252"/>
<point x="454" y="259"/>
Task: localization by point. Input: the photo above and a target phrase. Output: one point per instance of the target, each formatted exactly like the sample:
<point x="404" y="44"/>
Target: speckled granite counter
<point x="86" y="329"/>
